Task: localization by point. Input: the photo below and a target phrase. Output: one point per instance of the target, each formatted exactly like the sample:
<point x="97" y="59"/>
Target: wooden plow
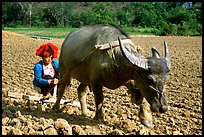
<point x="44" y="100"/>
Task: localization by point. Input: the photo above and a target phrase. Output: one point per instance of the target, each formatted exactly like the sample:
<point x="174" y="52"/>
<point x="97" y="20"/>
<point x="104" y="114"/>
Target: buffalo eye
<point x="152" y="79"/>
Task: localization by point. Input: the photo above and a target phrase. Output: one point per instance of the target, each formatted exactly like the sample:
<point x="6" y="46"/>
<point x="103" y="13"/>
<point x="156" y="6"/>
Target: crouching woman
<point x="46" y="71"/>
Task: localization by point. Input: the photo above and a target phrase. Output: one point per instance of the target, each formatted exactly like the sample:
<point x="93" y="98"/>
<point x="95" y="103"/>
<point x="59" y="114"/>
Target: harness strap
<point x="54" y="67"/>
<point x="148" y="84"/>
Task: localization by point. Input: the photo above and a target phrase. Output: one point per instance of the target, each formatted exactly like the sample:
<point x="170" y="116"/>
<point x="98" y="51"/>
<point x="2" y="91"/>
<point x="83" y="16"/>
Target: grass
<point x="62" y="32"/>
<point x="42" y="32"/>
<point x="140" y="31"/>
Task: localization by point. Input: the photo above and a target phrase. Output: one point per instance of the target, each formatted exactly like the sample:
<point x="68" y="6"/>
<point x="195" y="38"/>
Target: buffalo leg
<point x="136" y="96"/>
<point x="82" y="92"/>
<point x="145" y="114"/>
<point x="98" y="96"/>
<point x="66" y="81"/>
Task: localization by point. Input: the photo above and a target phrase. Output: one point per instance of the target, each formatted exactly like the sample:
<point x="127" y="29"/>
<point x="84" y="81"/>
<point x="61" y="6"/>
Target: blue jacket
<point x="38" y="74"/>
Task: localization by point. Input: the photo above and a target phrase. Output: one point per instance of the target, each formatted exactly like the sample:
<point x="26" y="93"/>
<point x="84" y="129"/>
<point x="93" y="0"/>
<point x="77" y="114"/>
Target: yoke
<point x="116" y="44"/>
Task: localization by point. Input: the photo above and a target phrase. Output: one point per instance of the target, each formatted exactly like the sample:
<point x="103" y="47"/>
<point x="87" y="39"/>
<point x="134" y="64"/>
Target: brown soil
<point x="183" y="89"/>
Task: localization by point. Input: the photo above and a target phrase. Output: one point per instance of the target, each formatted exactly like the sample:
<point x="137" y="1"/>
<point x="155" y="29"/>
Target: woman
<point x="46" y="71"/>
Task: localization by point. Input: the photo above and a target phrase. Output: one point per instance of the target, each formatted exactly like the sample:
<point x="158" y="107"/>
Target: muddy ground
<point x="183" y="89"/>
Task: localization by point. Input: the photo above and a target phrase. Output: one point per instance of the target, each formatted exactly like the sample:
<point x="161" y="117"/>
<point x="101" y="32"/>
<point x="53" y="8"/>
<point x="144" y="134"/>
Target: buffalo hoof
<point x="146" y="123"/>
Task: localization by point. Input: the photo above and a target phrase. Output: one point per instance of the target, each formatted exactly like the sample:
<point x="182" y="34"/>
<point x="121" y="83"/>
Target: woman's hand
<point x="54" y="81"/>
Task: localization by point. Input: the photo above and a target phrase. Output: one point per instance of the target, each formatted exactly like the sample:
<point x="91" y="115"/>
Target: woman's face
<point x="47" y="60"/>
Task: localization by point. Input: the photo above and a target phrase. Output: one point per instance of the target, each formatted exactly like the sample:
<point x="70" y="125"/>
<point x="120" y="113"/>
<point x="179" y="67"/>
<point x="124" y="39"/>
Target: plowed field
<point x="183" y="89"/>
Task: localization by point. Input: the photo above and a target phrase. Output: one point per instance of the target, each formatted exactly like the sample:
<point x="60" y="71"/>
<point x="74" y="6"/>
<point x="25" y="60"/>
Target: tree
<point x="26" y="7"/>
<point x="12" y="14"/>
<point x="166" y="18"/>
<point x="102" y="12"/>
<point x="143" y="14"/>
<point x="124" y="16"/>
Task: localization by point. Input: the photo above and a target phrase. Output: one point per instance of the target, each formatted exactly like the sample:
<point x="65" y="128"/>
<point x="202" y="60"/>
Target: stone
<point x="16" y="103"/>
<point x="61" y="123"/>
<point x="184" y="132"/>
<point x="4" y="130"/>
<point x="124" y="116"/>
<point x="29" y="116"/>
<point x="39" y="127"/>
<point x="108" y="118"/>
<point x="47" y="125"/>
<point x="171" y="119"/>
<point x="18" y="113"/>
<point x="15" y="131"/>
<point x="50" y="131"/>
<point x="28" y="123"/>
<point x="50" y="121"/>
<point x="63" y="127"/>
<point x="116" y="132"/>
<point x="144" y="131"/>
<point x="25" y="130"/>
<point x="35" y="119"/>
<point x="15" y="122"/>
<point x="152" y="133"/>
<point x="22" y="119"/>
<point x="129" y="125"/>
<point x="177" y="133"/>
<point x="119" y="111"/>
<point x="92" y="130"/>
<point x="187" y="114"/>
<point x="5" y="121"/>
<point x="39" y="133"/>
<point x="31" y="131"/>
<point x="42" y="120"/>
<point x="77" y="130"/>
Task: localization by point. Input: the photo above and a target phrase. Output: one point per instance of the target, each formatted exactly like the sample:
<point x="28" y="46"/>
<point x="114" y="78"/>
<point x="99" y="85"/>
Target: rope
<point x="100" y="47"/>
<point x="76" y="65"/>
<point x="148" y="84"/>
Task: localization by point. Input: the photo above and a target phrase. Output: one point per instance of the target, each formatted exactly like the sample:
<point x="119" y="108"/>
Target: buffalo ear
<point x="155" y="53"/>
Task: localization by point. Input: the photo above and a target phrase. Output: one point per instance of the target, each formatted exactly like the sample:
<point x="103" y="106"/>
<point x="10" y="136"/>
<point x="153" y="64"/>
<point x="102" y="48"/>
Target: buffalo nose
<point x="163" y="108"/>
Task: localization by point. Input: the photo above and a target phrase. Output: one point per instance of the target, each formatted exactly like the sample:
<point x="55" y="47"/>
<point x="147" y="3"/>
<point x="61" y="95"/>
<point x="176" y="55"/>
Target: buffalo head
<point x="150" y="75"/>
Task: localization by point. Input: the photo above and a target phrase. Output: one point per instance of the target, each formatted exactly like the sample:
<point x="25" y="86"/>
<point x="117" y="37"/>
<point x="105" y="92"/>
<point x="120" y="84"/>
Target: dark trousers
<point x="48" y="89"/>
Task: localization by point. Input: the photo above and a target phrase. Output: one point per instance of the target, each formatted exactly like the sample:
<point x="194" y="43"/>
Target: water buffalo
<point x="112" y="67"/>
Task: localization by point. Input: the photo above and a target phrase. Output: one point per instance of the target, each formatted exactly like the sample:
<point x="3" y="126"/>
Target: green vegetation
<point x="42" y="32"/>
<point x="140" y="31"/>
<point x="157" y="18"/>
<point x="62" y="32"/>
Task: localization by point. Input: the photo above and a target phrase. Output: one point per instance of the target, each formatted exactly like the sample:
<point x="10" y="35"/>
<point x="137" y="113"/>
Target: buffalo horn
<point x="138" y="60"/>
<point x="167" y="55"/>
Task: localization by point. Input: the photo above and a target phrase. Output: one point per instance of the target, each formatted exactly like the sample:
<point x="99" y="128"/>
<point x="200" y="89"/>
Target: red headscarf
<point x="46" y="50"/>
